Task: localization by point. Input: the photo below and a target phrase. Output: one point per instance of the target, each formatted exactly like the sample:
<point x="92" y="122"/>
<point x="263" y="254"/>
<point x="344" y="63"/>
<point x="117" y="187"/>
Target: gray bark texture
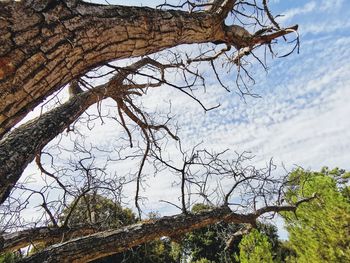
<point x="102" y="244"/>
<point x="44" y="44"/>
<point x="19" y="147"/>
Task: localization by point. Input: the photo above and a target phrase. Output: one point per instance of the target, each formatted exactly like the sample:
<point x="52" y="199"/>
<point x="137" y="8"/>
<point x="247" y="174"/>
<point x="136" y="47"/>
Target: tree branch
<point x="277" y="209"/>
<point x="20" y="146"/>
<point x="17" y="240"/>
<point x="221" y="8"/>
<point x="109" y="242"/>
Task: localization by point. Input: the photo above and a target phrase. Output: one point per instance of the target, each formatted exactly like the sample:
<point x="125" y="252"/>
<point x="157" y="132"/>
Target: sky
<point x="302" y="115"/>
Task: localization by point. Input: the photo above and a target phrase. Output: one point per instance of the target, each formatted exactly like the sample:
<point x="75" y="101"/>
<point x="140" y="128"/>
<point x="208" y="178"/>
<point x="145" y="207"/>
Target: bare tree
<point x="47" y="44"/>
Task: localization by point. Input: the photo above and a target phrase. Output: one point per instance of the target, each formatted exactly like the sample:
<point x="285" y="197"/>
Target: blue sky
<point x="302" y="117"/>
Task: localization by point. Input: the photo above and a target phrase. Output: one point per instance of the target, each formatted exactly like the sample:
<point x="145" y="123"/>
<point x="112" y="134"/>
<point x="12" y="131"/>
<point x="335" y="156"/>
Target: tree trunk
<point x="115" y="241"/>
<point x="19" y="147"/>
<point x="110" y="242"/>
<point x="44" y="44"/>
<point x="119" y="240"/>
<point x="14" y="241"/>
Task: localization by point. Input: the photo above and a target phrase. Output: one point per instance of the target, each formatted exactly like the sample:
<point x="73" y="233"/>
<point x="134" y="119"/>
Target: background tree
<point x="255" y="247"/>
<point x="319" y="231"/>
<point x="209" y="243"/>
<point x="98" y="211"/>
<point x="9" y="257"/>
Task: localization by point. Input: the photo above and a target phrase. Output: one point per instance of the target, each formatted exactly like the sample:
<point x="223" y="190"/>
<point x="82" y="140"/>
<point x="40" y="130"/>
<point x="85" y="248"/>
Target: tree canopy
<point x="319" y="230"/>
<point x="255" y="247"/>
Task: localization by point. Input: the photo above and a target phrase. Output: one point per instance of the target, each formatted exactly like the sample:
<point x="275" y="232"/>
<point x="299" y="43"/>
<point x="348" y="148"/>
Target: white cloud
<point x="303" y="121"/>
<point x="331" y="6"/>
<point x="291" y="13"/>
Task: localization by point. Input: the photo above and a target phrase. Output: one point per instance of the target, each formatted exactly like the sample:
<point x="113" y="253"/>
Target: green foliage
<point x="320" y="231"/>
<point x="208" y="244"/>
<point x="95" y="208"/>
<point x="108" y="214"/>
<point x="255" y="247"/>
<point x="9" y="257"/>
<point x="203" y="260"/>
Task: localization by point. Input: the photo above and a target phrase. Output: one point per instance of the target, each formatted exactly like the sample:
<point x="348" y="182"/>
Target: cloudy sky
<point x="302" y="115"/>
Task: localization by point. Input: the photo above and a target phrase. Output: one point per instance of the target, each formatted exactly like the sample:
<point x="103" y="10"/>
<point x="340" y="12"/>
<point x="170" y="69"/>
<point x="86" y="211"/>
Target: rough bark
<point x="44" y="44"/>
<point x="19" y="147"/>
<point x="106" y="243"/>
<point x="46" y="235"/>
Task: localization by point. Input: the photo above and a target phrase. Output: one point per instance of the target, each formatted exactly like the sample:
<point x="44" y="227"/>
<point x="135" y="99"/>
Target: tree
<point x="255" y="247"/>
<point x="105" y="215"/>
<point x="319" y="231"/>
<point x="157" y="251"/>
<point x="47" y="44"/>
<point x="217" y="243"/>
<point x="95" y="209"/>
